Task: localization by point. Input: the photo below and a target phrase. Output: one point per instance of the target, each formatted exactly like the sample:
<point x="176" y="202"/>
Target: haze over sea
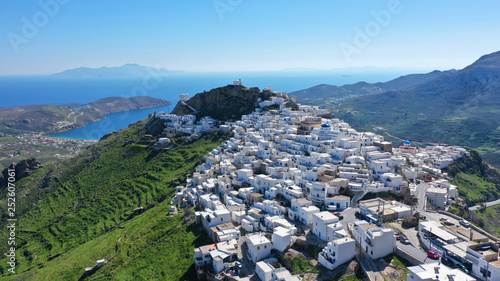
<point x="26" y="90"/>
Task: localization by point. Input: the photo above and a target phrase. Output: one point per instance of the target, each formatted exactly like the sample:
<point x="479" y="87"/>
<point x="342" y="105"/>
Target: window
<point x="265" y="246"/>
<point x="258" y="248"/>
<point x="221" y="219"/>
<point x="483" y="272"/>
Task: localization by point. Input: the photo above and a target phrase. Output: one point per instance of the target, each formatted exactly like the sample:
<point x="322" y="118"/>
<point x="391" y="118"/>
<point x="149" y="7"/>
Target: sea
<point x="46" y="89"/>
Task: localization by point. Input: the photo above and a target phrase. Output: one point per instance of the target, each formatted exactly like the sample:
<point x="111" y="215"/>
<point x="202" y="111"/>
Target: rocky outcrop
<point x="223" y="103"/>
<point x="22" y="169"/>
<point x="474" y="165"/>
<point x="154" y="126"/>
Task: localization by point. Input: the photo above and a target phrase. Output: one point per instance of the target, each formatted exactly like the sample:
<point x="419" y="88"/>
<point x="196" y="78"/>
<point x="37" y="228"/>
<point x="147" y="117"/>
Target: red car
<point x="398" y="237"/>
<point x="432" y="255"/>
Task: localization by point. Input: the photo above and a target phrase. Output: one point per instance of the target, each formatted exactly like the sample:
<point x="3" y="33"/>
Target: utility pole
<point x="430" y="242"/>
<point x="487" y="267"/>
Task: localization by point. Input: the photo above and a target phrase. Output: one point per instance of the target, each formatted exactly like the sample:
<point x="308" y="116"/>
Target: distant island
<point x="50" y="118"/>
<point x="126" y="70"/>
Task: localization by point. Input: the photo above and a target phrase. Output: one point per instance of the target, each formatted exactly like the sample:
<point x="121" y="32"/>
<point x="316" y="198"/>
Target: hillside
<point x="82" y="210"/>
<point x="325" y="91"/>
<point x="229" y="102"/>
<point x="126" y="70"/>
<point x="45" y="117"/>
<point x="477" y="182"/>
<point x="460" y="108"/>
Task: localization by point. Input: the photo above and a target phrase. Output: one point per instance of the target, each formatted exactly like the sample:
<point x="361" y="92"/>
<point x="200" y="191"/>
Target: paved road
<point x="417" y="253"/>
<point x="421" y="193"/>
<point x="348" y="216"/>
<point x="488" y="204"/>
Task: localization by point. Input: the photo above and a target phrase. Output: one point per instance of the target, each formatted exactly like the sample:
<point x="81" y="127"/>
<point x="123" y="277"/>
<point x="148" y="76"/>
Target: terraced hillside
<point x="82" y="210"/>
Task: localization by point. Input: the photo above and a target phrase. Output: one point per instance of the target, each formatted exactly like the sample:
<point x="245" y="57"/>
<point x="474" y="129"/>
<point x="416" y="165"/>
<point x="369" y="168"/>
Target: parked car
<point x="341" y="217"/>
<point x="485" y="248"/>
<point x="432" y="255"/>
<point x="405" y="240"/>
<point x="464" y="223"/>
<point x="358" y="215"/>
<point x="463" y="268"/>
<point x="398" y="236"/>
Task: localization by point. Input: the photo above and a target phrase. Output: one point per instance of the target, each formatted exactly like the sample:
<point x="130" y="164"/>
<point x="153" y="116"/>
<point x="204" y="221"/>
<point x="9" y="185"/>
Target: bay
<point x="113" y="122"/>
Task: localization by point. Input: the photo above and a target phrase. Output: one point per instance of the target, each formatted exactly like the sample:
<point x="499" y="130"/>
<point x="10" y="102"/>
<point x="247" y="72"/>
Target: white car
<point x="331" y="208"/>
<point x="464" y="223"/>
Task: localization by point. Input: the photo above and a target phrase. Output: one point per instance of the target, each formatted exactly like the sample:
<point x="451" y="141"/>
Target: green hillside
<point x="82" y="210"/>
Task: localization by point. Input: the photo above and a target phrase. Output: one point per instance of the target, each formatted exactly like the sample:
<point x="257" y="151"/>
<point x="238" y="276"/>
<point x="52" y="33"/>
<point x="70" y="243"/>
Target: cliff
<point x="223" y="103"/>
<point x="22" y="169"/>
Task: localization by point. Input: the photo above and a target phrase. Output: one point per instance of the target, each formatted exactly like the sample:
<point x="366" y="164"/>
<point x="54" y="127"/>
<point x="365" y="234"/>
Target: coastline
<point x="114" y="121"/>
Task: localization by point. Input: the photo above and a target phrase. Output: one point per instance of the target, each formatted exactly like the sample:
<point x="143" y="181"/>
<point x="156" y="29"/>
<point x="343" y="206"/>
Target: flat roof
<point x="340" y="197"/>
<point x="258" y="239"/>
<point x="343" y="240"/>
<point x="264" y="266"/>
<point x="400" y="209"/>
<point x="367" y="226"/>
<point x="325" y="215"/>
<point x="459" y="249"/>
<point x="435" y="228"/>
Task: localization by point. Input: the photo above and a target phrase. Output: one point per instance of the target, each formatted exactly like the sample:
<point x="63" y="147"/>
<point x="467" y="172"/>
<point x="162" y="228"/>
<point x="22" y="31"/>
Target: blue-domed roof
<point x="325" y="126"/>
<point x="407" y="142"/>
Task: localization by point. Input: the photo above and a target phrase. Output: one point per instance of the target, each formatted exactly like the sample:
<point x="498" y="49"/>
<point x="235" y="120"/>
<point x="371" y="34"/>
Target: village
<point x="14" y="148"/>
<point x="288" y="178"/>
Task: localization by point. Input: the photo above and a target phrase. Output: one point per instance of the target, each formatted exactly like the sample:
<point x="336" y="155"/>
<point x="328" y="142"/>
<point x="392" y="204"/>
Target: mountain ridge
<point x="460" y="108"/>
<point x="325" y="91"/>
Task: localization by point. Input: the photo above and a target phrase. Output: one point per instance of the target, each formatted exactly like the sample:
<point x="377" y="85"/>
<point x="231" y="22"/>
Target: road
<point x="421" y="193"/>
<point x="488" y="204"/>
<point x="417" y="253"/>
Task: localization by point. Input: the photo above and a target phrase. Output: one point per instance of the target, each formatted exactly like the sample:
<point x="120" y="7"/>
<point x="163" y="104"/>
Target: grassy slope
<point x="89" y="205"/>
<point x="476" y="181"/>
<point x="474" y="188"/>
<point x="491" y="219"/>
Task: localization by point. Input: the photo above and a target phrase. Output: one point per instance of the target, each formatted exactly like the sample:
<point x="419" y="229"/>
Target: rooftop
<point x="258" y="239"/>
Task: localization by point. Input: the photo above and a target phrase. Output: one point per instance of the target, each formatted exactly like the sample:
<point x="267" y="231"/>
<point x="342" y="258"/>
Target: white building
<point x="436" y="272"/>
<point x="375" y="241"/>
<point x="259" y="247"/>
<point x="438" y="197"/>
<point x="293" y="211"/>
<point x="282" y="238"/>
<point x="320" y="222"/>
<point x="306" y="214"/>
<point x="270" y="270"/>
<point x="337" y="252"/>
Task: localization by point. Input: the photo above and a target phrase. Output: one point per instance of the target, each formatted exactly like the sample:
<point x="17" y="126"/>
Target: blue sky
<point x="245" y="35"/>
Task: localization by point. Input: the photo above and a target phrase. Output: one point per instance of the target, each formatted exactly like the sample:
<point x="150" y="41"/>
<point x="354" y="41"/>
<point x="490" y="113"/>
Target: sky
<point x="48" y="36"/>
